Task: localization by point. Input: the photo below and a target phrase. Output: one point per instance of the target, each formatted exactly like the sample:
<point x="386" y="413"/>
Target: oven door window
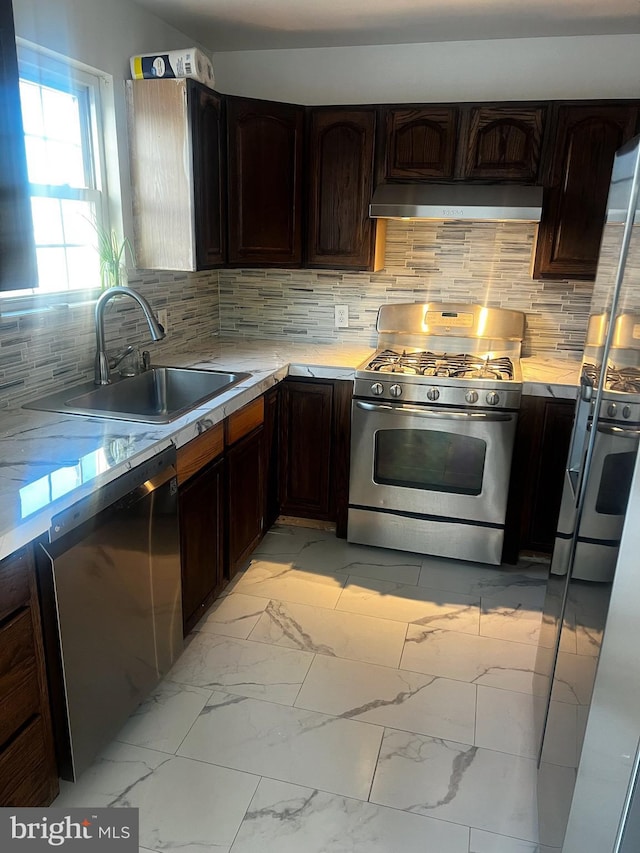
<point x="429" y="460"/>
<point x="615" y="483"/>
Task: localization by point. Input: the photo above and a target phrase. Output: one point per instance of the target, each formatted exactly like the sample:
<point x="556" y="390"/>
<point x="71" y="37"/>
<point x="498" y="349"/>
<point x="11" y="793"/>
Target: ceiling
<point x="222" y="25"/>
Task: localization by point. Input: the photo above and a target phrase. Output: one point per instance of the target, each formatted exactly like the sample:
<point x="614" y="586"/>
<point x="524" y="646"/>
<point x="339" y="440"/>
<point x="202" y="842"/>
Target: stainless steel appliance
<point x="110" y="578"/>
<point x="615" y="447"/>
<point x="582" y="618"/>
<point x="433" y="423"/>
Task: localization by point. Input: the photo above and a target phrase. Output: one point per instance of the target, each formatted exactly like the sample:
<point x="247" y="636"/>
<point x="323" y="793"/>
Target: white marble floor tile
<point x="242" y="667"/>
<point x="573" y="678"/>
<point x="284" y="818"/>
<point x="480" y="660"/>
<point x="512" y="722"/>
<point x="280" y="579"/>
<point x="343" y="557"/>
<point x="479" y="578"/>
<point x="487" y="842"/>
<point x="402" y="603"/>
<point x="287" y="540"/>
<point x="187" y="805"/>
<point x="510" y="620"/>
<point x="234" y="615"/>
<point x="289" y="744"/>
<point x="165" y="717"/>
<point x="390" y="697"/>
<point x="331" y="632"/>
<point x="464" y="784"/>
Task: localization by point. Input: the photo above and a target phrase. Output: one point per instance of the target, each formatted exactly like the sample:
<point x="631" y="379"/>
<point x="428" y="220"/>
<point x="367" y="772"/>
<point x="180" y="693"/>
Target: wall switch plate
<point x="341" y="316"/>
<point x="162" y="318"/>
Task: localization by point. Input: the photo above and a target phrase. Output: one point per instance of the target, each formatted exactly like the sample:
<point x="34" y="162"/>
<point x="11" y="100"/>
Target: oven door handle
<point x="618" y="431"/>
<point x="434" y="413"/>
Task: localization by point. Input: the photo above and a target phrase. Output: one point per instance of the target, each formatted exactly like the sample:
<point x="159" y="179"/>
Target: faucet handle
<point x="146" y="360"/>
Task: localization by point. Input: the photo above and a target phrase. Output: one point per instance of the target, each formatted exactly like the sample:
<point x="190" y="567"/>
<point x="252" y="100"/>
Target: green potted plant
<point x="113" y="253"/>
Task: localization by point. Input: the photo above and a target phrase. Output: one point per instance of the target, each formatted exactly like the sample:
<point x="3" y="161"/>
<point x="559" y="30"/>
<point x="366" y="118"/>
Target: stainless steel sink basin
<point x="159" y="395"/>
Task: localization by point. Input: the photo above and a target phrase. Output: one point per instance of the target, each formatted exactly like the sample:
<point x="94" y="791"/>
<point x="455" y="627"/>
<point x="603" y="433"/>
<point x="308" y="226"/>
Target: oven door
<point x="609" y="484"/>
<point x="441" y="463"/>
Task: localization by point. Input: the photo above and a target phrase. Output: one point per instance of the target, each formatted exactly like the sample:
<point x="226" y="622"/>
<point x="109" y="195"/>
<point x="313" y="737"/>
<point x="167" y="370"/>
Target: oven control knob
<point x="626" y="412"/>
<point x="433" y="394"/>
<point x="377" y="388"/>
<point x="612" y="410"/>
<point x="493" y="398"/>
<point x="395" y="390"/>
<point x="471" y="396"/>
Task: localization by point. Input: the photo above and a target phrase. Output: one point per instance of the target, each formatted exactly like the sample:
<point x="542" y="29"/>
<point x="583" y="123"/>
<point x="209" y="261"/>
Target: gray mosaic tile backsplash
<point x="44" y="351"/>
<point x="487" y="263"/>
<point x="482" y="262"/>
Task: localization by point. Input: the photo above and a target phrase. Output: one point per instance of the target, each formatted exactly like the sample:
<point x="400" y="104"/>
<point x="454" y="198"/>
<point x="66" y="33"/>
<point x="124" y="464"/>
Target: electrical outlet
<point x="162" y="318"/>
<point x="341" y="316"/>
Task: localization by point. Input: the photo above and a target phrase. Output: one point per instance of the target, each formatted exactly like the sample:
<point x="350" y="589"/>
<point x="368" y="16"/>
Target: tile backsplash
<point x="484" y="262"/>
<point x="47" y="350"/>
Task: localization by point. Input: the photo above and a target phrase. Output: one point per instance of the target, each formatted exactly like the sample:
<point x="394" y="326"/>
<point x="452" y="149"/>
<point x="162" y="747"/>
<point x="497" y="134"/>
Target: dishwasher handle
<point x="140" y="480"/>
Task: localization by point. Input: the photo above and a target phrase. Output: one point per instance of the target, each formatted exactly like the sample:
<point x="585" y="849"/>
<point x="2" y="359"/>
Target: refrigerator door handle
<point x="579" y="433"/>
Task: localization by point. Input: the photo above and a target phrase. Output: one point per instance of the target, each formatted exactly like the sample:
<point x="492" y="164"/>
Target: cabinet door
<point x="420" y="143"/>
<point x="264" y="182"/>
<point x="201" y="503"/>
<point x="17" y="250"/>
<point x="537" y="475"/>
<point x="586" y="139"/>
<point x="306" y="436"/>
<point x="340" y="163"/>
<point x="502" y="143"/>
<point x="207" y="139"/>
<point x="245" y="497"/>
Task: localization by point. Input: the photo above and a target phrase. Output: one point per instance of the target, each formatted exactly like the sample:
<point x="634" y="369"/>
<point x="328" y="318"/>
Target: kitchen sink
<point x="159" y="395"/>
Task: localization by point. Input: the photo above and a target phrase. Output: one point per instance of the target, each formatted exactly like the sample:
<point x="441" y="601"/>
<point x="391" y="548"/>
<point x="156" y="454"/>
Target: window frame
<point x="42" y="67"/>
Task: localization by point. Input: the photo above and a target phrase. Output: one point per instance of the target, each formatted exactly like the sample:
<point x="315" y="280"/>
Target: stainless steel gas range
<point x="433" y="423"/>
<point x="613" y="455"/>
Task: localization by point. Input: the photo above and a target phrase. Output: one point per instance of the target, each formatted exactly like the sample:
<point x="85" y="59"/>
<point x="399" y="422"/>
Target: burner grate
<point x="451" y="365"/>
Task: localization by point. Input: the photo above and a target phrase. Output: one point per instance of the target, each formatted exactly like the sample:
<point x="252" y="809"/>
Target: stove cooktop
<point x="443" y="365"/>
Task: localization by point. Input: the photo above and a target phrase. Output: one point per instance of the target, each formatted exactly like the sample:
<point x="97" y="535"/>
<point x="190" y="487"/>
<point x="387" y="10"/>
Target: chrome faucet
<point x="103" y="364"/>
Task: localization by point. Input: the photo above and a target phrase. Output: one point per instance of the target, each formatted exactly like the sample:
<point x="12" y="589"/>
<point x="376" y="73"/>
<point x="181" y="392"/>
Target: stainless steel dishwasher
<point x="110" y="587"/>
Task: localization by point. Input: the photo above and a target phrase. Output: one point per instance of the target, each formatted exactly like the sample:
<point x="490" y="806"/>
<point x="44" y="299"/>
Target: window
<point x="65" y="163"/>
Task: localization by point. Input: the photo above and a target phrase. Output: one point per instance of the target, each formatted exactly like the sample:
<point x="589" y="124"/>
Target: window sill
<point x="21" y="306"/>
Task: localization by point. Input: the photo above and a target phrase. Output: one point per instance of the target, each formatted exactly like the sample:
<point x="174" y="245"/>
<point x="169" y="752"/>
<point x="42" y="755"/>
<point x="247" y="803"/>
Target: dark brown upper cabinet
<point x="340" y="234"/>
<point x="265" y="147"/>
<point x="501" y="143"/>
<point x="420" y="142"/>
<point x="585" y="140"/>
<point x="209" y="173"/>
<point x="177" y="211"/>
<point x="17" y="250"/>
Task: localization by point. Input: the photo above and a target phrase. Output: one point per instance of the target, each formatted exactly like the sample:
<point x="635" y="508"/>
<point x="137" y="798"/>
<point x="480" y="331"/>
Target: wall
<point x="518" y="69"/>
<point x="486" y="262"/>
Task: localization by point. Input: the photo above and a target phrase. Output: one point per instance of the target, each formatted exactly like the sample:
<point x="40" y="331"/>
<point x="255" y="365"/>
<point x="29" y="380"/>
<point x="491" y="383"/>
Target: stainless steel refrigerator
<point x="600" y="513"/>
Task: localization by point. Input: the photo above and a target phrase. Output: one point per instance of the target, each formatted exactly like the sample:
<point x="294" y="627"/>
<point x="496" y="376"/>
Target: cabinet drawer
<point x="25" y="769"/>
<point x="19" y="694"/>
<point x="15" y="573"/>
<point x="199" y="452"/>
<point x="245" y="420"/>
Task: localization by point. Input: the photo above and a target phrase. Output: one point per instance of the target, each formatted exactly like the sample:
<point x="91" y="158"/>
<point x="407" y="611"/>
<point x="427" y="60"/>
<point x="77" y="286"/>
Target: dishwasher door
<point x="115" y="605"/>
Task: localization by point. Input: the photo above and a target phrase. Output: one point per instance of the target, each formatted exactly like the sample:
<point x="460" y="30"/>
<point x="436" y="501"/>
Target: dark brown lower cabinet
<point x="245" y="497"/>
<point x="202" y="504"/>
<point x="271" y="456"/>
<point x="28" y="772"/>
<point x="537" y="475"/>
<point x="314" y="455"/>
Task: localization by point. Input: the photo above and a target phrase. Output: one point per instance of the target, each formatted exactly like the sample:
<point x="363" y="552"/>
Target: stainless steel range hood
<point x="457" y="201"/>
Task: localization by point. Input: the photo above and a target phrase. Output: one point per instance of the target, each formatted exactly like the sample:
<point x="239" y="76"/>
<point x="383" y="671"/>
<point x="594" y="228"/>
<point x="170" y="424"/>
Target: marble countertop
<point x="49" y="461"/>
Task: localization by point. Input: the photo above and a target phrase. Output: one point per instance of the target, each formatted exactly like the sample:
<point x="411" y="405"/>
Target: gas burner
<point x="443" y="365"/>
<point x="625" y="380"/>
